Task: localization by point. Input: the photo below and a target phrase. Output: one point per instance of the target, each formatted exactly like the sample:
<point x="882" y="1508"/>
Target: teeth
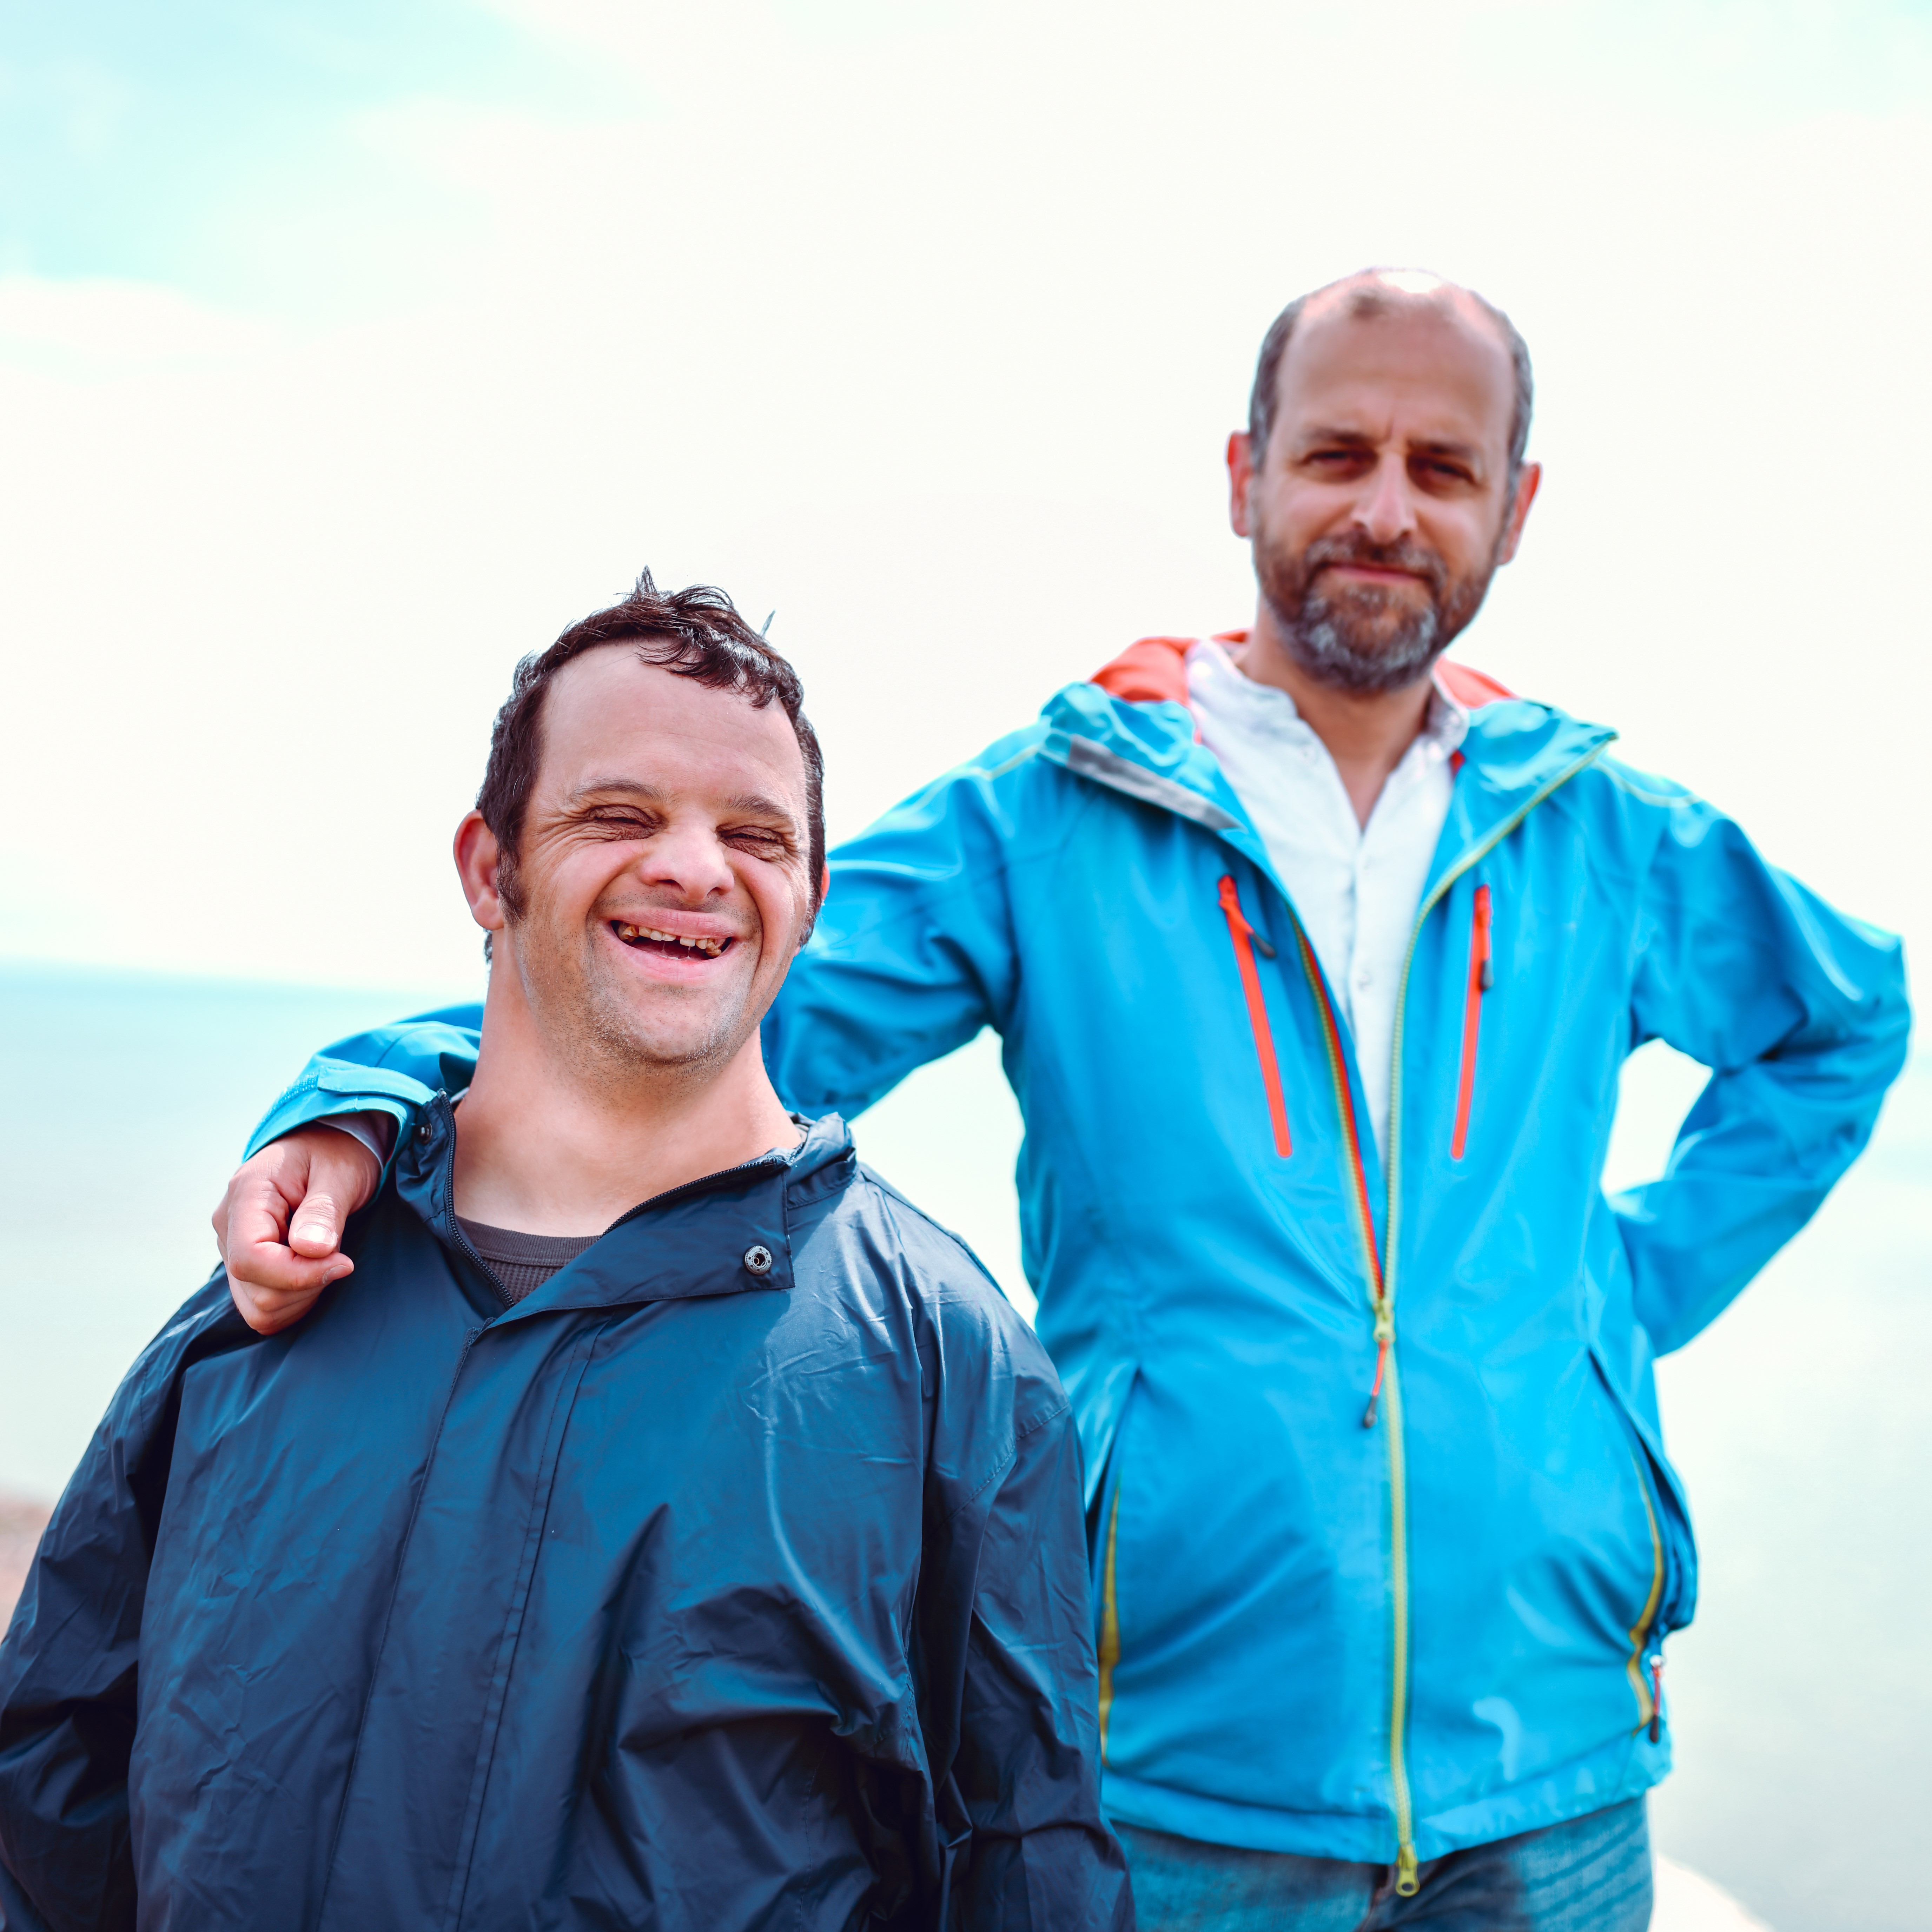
<point x="710" y="948"/>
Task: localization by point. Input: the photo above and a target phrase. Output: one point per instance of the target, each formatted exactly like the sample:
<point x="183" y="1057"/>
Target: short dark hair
<point x="1369" y="299"/>
<point x="696" y="633"/>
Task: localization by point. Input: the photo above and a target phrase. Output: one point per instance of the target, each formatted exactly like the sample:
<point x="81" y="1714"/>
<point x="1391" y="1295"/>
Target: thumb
<point x="315" y="1229"/>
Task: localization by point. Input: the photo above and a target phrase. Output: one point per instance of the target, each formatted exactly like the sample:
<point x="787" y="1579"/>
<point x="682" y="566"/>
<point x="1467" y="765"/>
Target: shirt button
<point x="758" y="1259"/>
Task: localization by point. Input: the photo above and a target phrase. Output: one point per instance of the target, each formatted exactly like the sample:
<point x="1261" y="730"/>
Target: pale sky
<point x="347" y="351"/>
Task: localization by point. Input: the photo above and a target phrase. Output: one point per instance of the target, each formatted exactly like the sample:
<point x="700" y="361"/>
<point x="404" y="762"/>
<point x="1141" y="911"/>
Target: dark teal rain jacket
<point x="734" y="1578"/>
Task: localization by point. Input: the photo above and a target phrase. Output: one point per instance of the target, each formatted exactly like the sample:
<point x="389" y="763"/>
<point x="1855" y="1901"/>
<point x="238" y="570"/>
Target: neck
<point x="1366" y="732"/>
<point x="542" y="1148"/>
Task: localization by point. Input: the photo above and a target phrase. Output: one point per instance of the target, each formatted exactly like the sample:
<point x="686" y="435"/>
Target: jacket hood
<point x="1154" y="670"/>
<point x="1129" y="728"/>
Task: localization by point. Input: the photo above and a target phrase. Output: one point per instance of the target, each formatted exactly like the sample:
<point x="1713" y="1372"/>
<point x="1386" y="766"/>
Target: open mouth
<point x="671" y="945"/>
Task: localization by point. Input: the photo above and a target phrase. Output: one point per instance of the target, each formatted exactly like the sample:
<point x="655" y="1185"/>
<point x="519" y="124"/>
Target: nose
<point x="688" y="857"/>
<point x="1385" y="512"/>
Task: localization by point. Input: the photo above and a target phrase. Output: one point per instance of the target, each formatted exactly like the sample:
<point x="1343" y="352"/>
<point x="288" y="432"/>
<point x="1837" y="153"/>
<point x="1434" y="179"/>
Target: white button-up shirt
<point x="1356" y="887"/>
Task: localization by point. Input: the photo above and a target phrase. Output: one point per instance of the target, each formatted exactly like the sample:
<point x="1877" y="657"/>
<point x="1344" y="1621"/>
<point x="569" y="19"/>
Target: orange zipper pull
<point x="1385" y="1334"/>
<point x="1482" y="977"/>
<point x="1657" y="1697"/>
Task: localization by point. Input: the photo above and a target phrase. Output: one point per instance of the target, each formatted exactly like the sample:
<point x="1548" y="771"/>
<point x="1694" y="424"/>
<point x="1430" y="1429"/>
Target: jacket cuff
<point x="344" y="1091"/>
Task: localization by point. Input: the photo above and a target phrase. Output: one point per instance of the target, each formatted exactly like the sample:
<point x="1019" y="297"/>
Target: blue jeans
<point x="1591" y="1875"/>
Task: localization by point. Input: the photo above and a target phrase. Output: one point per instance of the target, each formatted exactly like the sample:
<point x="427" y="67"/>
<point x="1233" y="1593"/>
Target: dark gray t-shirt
<point x="520" y="1264"/>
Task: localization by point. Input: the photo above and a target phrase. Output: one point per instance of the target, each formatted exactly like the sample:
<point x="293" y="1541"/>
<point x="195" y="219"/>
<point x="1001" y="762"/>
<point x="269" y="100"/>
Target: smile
<point x="648" y="939"/>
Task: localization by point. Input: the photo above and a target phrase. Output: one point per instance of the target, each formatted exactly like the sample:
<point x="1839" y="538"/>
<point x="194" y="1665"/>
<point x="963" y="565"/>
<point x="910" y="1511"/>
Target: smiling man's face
<point x="663" y="872"/>
<point x="1382" y="505"/>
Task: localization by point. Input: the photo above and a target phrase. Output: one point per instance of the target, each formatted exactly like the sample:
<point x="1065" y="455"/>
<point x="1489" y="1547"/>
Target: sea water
<point x="1801" y="1700"/>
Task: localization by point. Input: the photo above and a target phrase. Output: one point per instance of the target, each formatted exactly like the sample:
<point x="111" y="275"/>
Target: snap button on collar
<point x="758" y="1259"/>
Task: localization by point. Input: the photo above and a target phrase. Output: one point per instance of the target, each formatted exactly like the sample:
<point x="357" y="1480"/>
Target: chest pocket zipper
<point x="1246" y="940"/>
<point x="1482" y="977"/>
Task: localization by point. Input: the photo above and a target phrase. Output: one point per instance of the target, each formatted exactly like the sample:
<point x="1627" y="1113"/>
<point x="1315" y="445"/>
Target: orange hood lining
<point x="1154" y="671"/>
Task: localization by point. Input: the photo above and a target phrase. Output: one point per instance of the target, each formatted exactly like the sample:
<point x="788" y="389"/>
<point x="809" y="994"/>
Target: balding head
<point x="1374" y="292"/>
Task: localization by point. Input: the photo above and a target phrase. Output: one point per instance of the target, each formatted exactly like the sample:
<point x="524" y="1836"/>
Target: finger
<point x="315" y="1229"/>
<point x="341" y="1174"/>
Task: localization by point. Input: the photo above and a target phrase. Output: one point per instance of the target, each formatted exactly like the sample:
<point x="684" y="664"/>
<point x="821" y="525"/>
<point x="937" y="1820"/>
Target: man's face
<point x="663" y="871"/>
<point x="1382" y="506"/>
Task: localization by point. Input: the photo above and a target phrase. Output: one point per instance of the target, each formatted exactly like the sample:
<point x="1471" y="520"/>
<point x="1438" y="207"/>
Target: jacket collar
<point x="711" y="1237"/>
<point x="1129" y="729"/>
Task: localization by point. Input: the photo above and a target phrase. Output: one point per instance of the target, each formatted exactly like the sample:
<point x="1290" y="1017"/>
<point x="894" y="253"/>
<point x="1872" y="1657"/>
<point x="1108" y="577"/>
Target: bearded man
<point x="1315" y="957"/>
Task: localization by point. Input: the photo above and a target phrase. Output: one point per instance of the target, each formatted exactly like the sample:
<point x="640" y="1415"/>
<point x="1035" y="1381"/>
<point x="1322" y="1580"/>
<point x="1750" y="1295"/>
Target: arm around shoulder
<point x="914" y="951"/>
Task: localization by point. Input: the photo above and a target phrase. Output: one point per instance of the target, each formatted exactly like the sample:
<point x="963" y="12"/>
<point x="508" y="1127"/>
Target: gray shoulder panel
<point x="1109" y="768"/>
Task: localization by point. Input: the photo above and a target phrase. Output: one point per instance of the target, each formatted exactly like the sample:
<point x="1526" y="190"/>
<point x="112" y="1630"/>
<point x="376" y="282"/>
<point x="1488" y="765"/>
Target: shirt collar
<point x="1215" y="681"/>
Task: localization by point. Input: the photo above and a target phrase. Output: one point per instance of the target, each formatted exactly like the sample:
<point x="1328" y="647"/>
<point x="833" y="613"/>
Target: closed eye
<point x="767" y="840"/>
<point x="620" y="824"/>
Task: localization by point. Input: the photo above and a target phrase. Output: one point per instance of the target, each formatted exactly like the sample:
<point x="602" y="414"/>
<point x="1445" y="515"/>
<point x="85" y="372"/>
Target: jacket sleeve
<point x="392" y="1070"/>
<point x="1800" y="1013"/>
<point x="68" y="1665"/>
<point x="914" y="951"/>
<point x="1012" y="1723"/>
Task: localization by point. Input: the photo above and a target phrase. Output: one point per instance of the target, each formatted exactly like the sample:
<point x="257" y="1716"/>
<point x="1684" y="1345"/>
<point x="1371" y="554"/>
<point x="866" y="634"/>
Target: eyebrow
<point x="1469" y="452"/>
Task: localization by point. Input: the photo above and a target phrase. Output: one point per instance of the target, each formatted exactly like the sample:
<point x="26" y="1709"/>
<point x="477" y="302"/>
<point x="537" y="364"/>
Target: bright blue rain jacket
<point x="735" y="1578"/>
<point x="1377" y="1642"/>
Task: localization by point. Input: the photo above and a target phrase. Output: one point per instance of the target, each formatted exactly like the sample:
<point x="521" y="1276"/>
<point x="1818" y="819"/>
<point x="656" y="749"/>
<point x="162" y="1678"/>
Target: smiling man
<point x="1315" y="957"/>
<point x="658" y="1522"/>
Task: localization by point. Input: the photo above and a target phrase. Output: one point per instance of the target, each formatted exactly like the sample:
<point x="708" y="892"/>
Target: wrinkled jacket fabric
<point x="1314" y="1636"/>
<point x="685" y="1593"/>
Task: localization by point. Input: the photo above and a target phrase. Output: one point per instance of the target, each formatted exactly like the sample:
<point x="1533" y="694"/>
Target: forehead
<point x="608" y="716"/>
<point x="1425" y="369"/>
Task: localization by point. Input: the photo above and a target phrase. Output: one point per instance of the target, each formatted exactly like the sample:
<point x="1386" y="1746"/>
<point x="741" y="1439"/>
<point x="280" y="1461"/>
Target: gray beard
<point x="1335" y="648"/>
<point x="1345" y="642"/>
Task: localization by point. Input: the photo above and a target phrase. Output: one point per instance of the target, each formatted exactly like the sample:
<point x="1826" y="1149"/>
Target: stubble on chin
<point x="597" y="1025"/>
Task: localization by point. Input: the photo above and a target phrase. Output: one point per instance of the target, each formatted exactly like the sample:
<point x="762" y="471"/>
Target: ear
<point x="811" y="925"/>
<point x="1529" y="479"/>
<point x="479" y="858"/>
<point x="1240" y="479"/>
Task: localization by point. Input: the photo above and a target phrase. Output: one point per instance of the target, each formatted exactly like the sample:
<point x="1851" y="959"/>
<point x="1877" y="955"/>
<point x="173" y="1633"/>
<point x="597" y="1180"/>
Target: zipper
<point x="1482" y="977"/>
<point x="1649" y="1693"/>
<point x="1360" y="1211"/>
<point x="1110" y="1625"/>
<point x="1246" y="941"/>
<point x="1408" y="1881"/>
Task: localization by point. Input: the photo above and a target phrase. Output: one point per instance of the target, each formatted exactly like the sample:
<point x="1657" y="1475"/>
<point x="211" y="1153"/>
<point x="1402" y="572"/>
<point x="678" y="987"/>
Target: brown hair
<point x="1370" y="299"/>
<point x="696" y="633"/>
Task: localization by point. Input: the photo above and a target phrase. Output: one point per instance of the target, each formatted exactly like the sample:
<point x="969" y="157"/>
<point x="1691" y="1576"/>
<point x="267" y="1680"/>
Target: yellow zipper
<point x="1110" y="1626"/>
<point x="1408" y="1881"/>
<point x="1646" y="1699"/>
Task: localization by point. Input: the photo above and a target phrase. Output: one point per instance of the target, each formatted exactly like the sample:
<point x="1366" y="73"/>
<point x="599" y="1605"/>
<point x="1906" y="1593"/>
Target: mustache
<point x="1352" y="547"/>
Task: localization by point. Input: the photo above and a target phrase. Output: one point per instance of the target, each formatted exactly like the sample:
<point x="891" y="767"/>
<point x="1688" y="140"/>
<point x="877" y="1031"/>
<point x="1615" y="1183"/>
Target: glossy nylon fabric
<point x="676" y="1596"/>
<point x="1207" y="1300"/>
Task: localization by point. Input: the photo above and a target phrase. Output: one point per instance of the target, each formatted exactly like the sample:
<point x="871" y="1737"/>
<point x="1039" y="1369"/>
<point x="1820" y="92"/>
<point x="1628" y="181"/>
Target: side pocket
<point x="1663" y="1497"/>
